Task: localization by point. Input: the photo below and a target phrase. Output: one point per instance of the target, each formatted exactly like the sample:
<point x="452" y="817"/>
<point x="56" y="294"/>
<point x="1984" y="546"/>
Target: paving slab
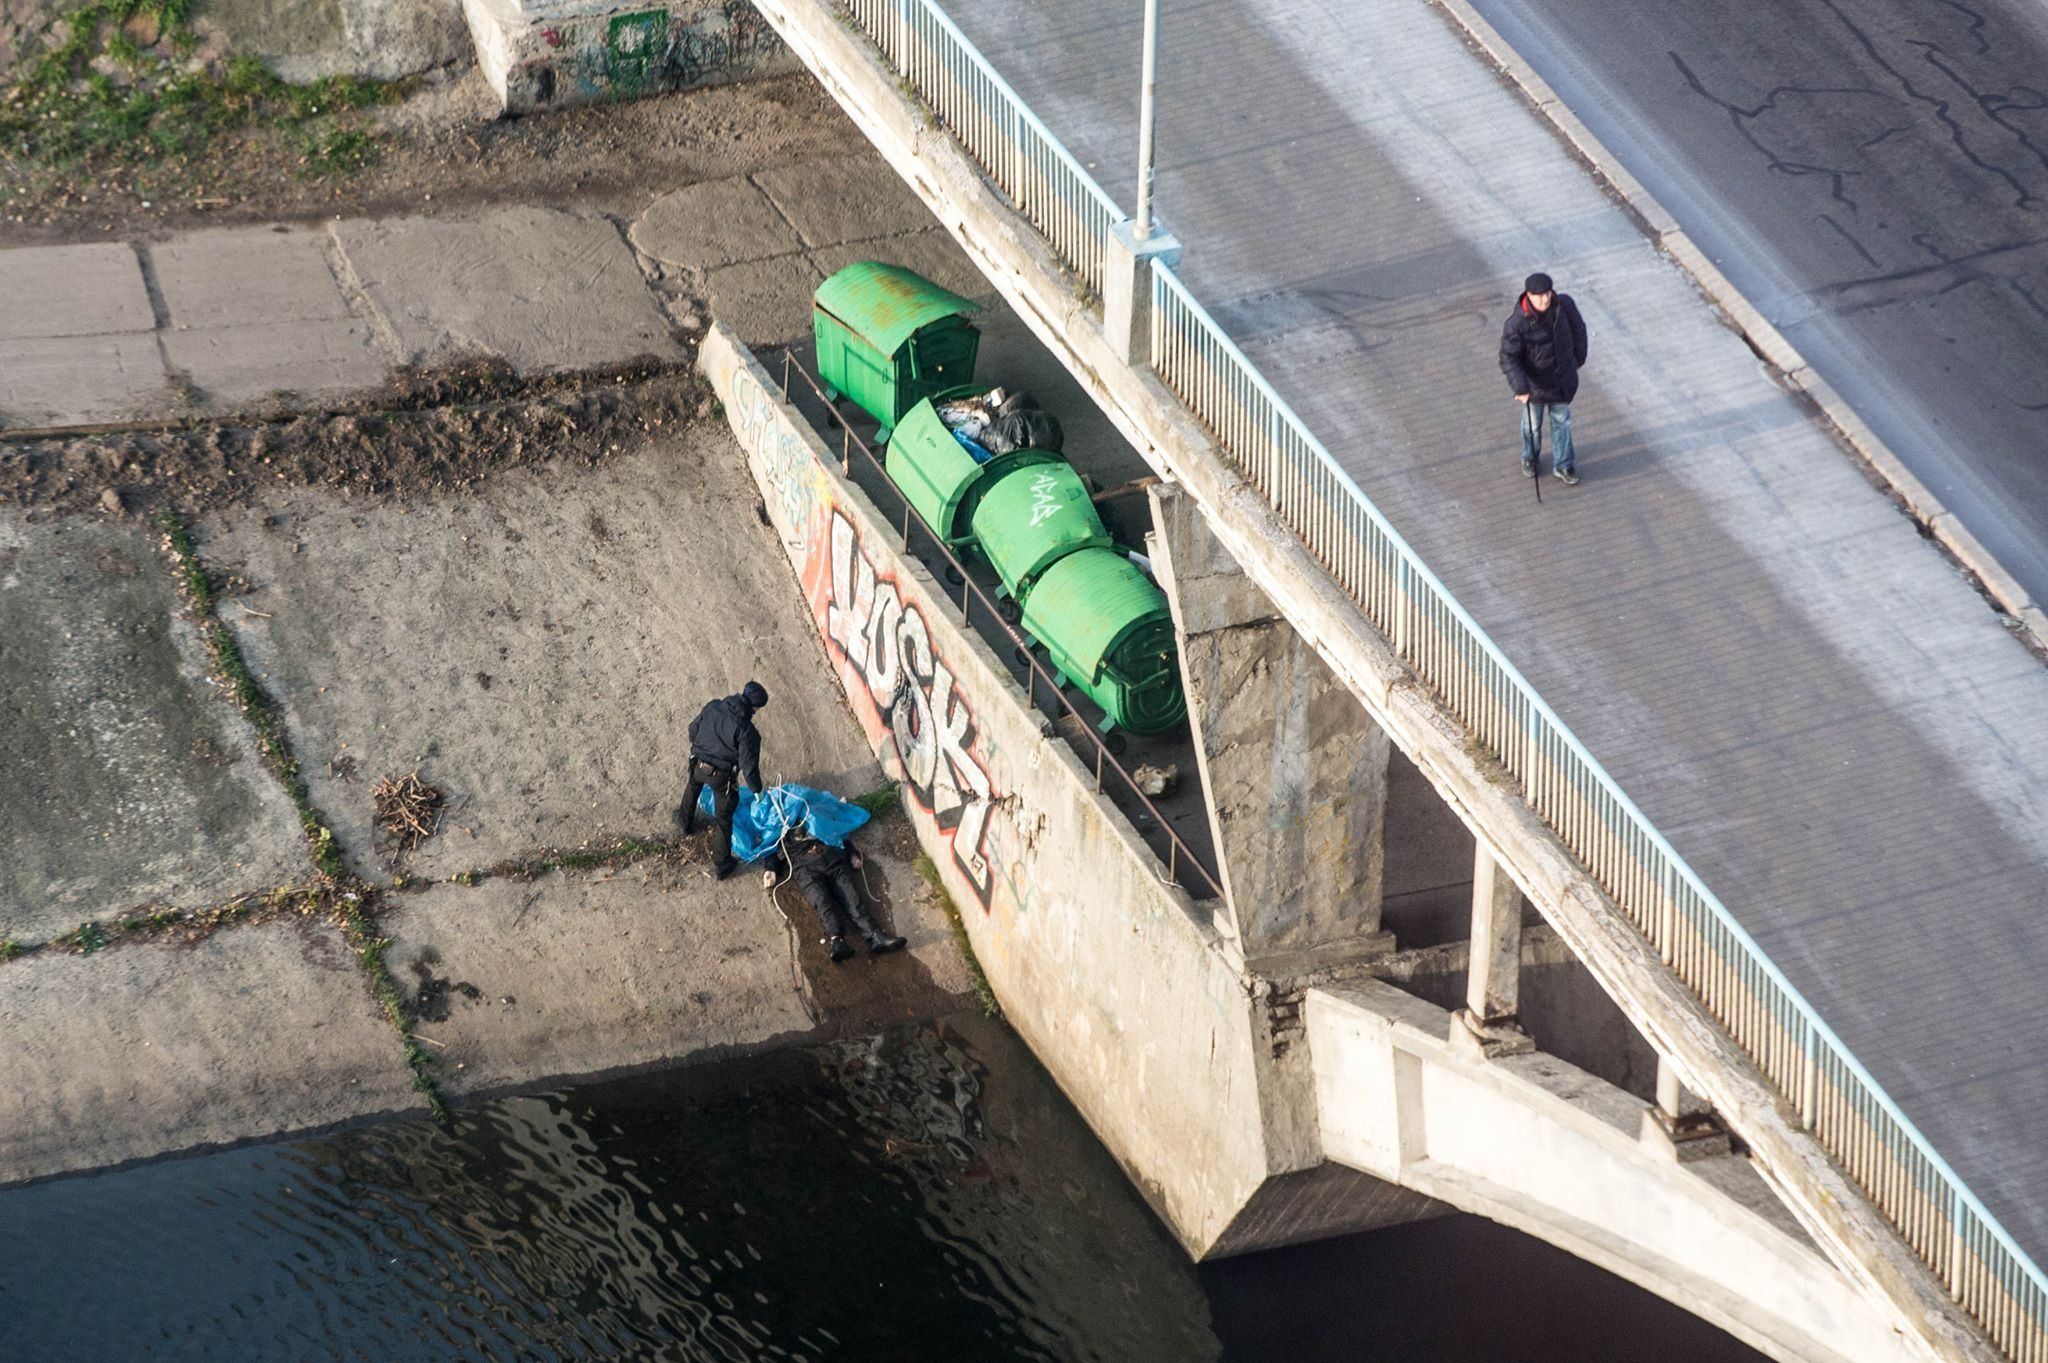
<point x="578" y="974"/>
<point x="150" y="1048"/>
<point x="239" y="363"/>
<point x="537" y="648"/>
<point x="542" y="289"/>
<point x="717" y="222"/>
<point x="238" y="277"/>
<point x="765" y="301"/>
<point x="930" y="251"/>
<point x="89" y="290"/>
<point x="63" y="380"/>
<point x="129" y="778"/>
<point x="844" y="198"/>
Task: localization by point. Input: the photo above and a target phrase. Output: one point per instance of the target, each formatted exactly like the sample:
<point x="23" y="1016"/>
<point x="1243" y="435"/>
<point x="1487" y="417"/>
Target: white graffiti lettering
<point x="1043" y="503"/>
<point x="889" y="645"/>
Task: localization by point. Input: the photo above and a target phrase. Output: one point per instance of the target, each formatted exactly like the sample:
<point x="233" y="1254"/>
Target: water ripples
<point x="845" y="1202"/>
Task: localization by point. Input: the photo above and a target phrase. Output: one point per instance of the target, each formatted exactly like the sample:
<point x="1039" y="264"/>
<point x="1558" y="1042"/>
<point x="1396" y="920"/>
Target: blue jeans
<point x="1560" y="414"/>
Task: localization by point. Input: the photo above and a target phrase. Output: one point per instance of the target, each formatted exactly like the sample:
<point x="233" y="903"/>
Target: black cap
<point x="1537" y="283"/>
<point x="755" y="694"/>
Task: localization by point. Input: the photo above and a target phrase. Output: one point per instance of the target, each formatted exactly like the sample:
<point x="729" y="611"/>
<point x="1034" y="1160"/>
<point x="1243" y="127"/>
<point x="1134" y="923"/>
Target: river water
<point x="926" y="1194"/>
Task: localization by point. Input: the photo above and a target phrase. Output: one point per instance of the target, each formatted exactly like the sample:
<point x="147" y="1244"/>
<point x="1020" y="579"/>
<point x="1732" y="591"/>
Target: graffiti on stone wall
<point x="644" y="52"/>
<point x="902" y="688"/>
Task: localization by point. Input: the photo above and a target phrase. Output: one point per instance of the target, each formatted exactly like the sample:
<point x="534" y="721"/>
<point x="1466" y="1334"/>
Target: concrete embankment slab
<point x="539" y="288"/>
<point x="537" y="649"/>
<point x="129" y="778"/>
<point x="576" y="974"/>
<point x="254" y="314"/>
<point x="583" y="974"/>
<point x="145" y="1049"/>
<point x="75" y="341"/>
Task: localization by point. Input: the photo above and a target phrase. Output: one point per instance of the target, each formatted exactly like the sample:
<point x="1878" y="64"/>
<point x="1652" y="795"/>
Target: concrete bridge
<point x="1764" y="757"/>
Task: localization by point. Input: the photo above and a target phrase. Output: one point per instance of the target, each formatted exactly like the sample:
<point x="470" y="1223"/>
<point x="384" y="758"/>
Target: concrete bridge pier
<point x="1295" y="770"/>
<point x="1490" y="1022"/>
<point x="1681" y="1126"/>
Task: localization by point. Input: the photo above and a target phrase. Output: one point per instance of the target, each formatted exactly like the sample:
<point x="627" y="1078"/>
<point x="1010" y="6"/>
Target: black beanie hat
<point x="755" y="694"/>
<point x="1537" y="283"/>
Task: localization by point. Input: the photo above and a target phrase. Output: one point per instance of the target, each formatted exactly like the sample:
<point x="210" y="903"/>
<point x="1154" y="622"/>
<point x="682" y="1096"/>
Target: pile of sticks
<point x="407" y="808"/>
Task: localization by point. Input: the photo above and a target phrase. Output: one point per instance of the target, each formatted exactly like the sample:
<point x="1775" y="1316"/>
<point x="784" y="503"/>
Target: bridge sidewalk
<point x="1810" y="701"/>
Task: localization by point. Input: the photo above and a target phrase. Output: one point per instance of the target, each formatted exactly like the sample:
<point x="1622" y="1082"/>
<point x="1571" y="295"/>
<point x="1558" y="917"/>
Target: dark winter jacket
<point x="724" y="735"/>
<point x="1541" y="352"/>
<point x="802" y="856"/>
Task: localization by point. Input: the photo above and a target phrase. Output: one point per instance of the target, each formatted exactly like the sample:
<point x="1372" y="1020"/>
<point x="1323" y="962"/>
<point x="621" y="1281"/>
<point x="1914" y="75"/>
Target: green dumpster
<point x="1031" y="520"/>
<point x="939" y="477"/>
<point x="1110" y="632"/>
<point x="889" y="338"/>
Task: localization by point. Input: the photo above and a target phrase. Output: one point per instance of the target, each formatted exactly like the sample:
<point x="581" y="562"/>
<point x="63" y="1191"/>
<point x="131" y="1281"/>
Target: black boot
<point x="684" y="818"/>
<point x="838" y="948"/>
<point x="878" y="941"/>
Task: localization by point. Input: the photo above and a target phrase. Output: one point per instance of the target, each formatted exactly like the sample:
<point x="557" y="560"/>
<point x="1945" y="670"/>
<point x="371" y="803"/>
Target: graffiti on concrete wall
<point x="631" y="52"/>
<point x="885" y="642"/>
<point x="874" y="624"/>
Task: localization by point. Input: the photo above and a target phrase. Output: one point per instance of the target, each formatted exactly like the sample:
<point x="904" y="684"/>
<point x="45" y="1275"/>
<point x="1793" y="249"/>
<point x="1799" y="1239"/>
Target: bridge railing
<point x="997" y="128"/>
<point x="1834" y="1096"/>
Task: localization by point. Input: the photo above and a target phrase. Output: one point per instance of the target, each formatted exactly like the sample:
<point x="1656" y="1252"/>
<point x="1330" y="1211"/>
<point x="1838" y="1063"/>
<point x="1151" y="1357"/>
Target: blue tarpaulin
<point x="760" y="822"/>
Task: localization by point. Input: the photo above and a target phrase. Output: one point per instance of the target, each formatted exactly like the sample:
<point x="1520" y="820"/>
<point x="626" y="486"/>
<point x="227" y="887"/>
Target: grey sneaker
<point x="1528" y="469"/>
<point x="1565" y="476"/>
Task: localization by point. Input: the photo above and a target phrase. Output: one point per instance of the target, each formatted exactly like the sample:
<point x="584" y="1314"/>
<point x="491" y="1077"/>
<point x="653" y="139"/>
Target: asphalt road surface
<point x="1873" y="174"/>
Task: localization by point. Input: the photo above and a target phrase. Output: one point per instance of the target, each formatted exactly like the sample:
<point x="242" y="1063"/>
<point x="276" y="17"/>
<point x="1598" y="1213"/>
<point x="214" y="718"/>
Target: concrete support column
<point x="1680" y="1126"/>
<point x="1491" y="1018"/>
<point x="1127" y="288"/>
<point x="1294" y="769"/>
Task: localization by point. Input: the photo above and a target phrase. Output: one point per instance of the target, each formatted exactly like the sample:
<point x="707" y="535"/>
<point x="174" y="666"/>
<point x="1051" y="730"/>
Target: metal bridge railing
<point x="1835" y="1098"/>
<point x="997" y="129"/>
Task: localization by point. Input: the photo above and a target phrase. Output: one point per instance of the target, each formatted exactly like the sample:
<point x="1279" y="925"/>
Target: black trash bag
<point x="1029" y="428"/>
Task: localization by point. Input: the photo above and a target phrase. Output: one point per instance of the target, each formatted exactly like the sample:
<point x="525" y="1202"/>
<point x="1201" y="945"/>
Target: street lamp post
<point x="1143" y="231"/>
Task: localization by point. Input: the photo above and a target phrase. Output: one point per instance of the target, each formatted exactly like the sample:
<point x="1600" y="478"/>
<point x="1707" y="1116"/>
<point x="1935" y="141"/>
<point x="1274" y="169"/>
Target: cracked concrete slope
<point x="1808" y="699"/>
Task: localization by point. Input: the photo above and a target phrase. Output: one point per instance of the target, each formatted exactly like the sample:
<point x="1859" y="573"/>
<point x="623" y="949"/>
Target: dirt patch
<point x="407" y="810"/>
<point x="422" y="433"/>
<point x="444" y="149"/>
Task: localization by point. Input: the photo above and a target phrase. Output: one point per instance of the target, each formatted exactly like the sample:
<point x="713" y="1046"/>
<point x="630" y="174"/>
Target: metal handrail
<point x="1177" y="849"/>
<point x="1835" y="1096"/>
<point x="995" y="125"/>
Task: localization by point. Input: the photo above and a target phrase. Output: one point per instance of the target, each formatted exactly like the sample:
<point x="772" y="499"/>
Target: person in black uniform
<point x="725" y="749"/>
<point x="825" y="876"/>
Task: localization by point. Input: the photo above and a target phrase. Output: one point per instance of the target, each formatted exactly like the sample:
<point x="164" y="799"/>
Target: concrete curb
<point x="1935" y="520"/>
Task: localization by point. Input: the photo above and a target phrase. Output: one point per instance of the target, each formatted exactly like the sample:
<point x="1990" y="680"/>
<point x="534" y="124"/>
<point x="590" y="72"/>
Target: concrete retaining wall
<point x="545" y="54"/>
<point x="1110" y="974"/>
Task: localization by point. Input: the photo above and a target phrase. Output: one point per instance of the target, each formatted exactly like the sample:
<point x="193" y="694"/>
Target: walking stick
<point x="1535" y="426"/>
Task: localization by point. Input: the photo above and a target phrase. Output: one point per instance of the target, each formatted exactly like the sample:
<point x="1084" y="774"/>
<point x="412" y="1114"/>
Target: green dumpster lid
<point x="886" y="304"/>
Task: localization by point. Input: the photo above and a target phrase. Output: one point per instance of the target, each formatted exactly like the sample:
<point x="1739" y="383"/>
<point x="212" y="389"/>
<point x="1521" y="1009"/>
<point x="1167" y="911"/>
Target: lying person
<point x="825" y="876"/>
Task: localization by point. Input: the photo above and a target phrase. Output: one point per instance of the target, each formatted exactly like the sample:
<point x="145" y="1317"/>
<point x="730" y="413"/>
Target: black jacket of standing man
<point x="1542" y="346"/>
<point x="725" y="748"/>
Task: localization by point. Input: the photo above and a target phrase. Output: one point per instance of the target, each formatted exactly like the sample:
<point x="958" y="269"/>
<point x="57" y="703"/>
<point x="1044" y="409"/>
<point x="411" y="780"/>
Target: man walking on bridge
<point x="1541" y="349"/>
